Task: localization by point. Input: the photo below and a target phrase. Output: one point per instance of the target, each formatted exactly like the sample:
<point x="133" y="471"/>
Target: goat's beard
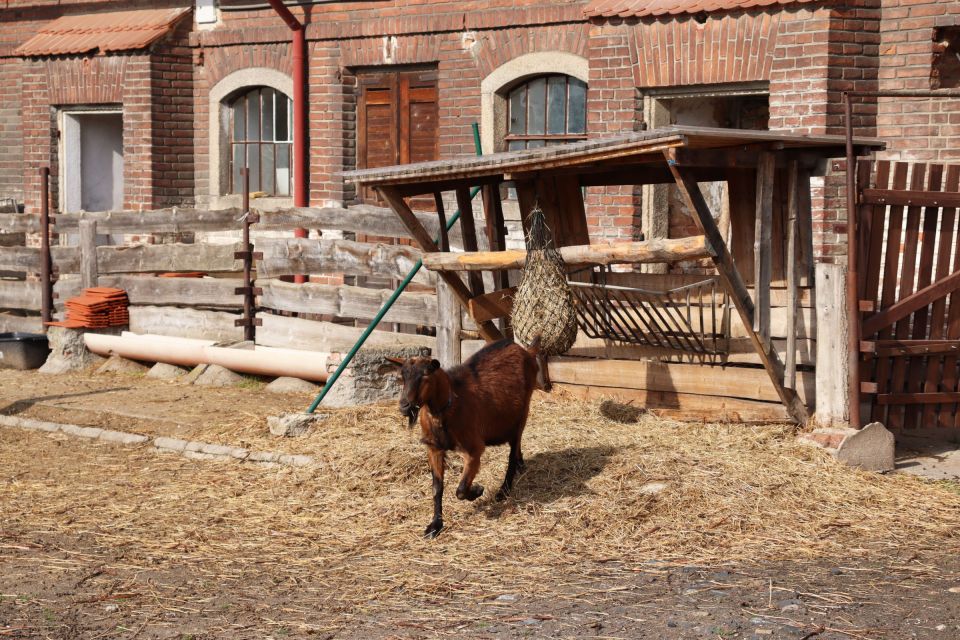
<point x="412" y="413"/>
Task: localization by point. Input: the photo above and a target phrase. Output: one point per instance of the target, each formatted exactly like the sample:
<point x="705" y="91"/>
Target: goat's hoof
<point x="433" y="529"/>
<point x="471" y="494"/>
<point x="502" y="495"/>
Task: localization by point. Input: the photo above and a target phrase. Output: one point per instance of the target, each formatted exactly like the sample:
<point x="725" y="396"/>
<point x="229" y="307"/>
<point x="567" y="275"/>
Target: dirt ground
<point x="649" y="530"/>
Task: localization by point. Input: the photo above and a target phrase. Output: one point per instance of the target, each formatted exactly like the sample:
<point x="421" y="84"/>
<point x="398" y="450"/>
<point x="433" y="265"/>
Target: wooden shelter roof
<point x="634" y="147"/>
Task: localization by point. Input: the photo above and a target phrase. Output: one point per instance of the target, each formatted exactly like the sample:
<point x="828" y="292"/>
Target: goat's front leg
<point x="437" y="459"/>
<point x="466" y="490"/>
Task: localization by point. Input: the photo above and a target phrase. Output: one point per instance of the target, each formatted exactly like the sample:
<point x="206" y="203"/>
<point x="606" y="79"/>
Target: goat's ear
<point x="434" y="365"/>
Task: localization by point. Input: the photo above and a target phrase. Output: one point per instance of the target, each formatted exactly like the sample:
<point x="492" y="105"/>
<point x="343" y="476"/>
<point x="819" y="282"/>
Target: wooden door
<point x="397" y="120"/>
<point x="909" y="291"/>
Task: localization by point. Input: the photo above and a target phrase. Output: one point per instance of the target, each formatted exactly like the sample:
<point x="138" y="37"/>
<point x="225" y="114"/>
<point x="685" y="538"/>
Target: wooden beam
<point x="88" y="254"/>
<point x="491" y="306"/>
<point x="467" y="225"/>
<point x="19" y="223"/>
<point x="448" y="321"/>
<point x="314" y="335"/>
<point x="910" y="198"/>
<point x="898" y="348"/>
<point x="364" y="218"/>
<point x="942" y="397"/>
<point x="684" y="407"/>
<point x="175" y="220"/>
<point x="487" y="329"/>
<point x="317" y="255"/>
<point x="732" y="382"/>
<point x="345" y="301"/>
<point x="733" y="283"/>
<point x="187" y="292"/>
<point x="762" y="247"/>
<point x="792" y="259"/>
<point x="656" y="250"/>
<point x="911" y="303"/>
<point x="185" y="323"/>
<point x="152" y="258"/>
<point x="444" y="234"/>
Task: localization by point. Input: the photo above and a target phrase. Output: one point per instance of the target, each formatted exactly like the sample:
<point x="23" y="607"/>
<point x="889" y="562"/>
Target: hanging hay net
<point x="543" y="305"/>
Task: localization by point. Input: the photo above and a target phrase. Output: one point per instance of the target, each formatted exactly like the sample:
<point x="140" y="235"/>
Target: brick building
<point x="163" y="106"/>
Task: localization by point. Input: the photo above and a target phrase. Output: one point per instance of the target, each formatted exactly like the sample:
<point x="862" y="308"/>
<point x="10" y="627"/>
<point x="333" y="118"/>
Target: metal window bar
<point x="664" y="319"/>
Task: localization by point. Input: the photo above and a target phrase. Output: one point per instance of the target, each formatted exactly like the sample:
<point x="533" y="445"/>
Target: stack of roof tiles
<point x="96" y="308"/>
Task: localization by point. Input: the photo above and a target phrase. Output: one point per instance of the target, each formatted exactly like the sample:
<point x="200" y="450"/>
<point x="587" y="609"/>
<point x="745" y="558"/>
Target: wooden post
<point x="448" y="326"/>
<point x="442" y="218"/>
<point x="733" y="283"/>
<point x="832" y="390"/>
<point x="468" y="226"/>
<point x="249" y="321"/>
<point x="791" y="260"/>
<point x="88" y="254"/>
<point x="487" y="329"/>
<point x="46" y="263"/>
<point x="762" y="249"/>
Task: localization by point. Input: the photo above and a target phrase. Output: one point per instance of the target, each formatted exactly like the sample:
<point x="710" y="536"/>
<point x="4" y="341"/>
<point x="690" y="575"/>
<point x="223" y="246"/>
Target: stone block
<point x="370" y="378"/>
<point x="216" y="376"/>
<point x="294" y="424"/>
<point x="871" y="448"/>
<point x="164" y="371"/>
<point x="289" y="385"/>
<point x="121" y="365"/>
<point x="67" y="352"/>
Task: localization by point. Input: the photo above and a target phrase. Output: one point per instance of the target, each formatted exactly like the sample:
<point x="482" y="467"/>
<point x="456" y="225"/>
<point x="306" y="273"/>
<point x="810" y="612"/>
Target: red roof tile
<point x="104" y="32"/>
<point x="642" y="8"/>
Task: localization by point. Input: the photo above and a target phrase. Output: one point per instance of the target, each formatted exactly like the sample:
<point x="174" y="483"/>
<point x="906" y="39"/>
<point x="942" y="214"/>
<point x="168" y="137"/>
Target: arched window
<point x="261" y="139"/>
<point x="545" y="110"/>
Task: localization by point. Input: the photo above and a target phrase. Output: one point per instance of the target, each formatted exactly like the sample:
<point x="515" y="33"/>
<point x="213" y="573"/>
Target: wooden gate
<point x="909" y="292"/>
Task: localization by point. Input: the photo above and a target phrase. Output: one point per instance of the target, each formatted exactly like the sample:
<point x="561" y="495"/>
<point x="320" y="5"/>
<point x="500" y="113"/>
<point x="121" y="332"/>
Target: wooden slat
<point x="89" y="270"/>
<point x="448" y="321"/>
<point x="656" y="250"/>
<point x="684" y="406"/>
<point x="315" y="256"/>
<point x="27" y="259"/>
<point x="734" y="286"/>
<point x="189" y="292"/>
<point x="887" y="291"/>
<point x="916" y="366"/>
<point x="299" y="333"/>
<point x="942" y="397"/>
<point x="19" y="223"/>
<point x="366" y="219"/>
<point x="155" y="258"/>
<point x="731" y="382"/>
<point x="949" y="381"/>
<point x="185" y="323"/>
<point x="911" y="245"/>
<point x="762" y="249"/>
<point x="899" y="348"/>
<point x="20" y="294"/>
<point x="175" y="220"/>
<point x="10" y="323"/>
<point x="914" y="197"/>
<point x="914" y="302"/>
<point x="347" y="301"/>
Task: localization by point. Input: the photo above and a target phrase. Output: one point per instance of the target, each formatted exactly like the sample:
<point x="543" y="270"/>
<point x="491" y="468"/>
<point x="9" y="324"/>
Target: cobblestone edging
<point x="187" y="448"/>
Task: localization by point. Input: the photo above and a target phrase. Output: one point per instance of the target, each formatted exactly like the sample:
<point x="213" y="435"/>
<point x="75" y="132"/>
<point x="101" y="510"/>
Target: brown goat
<point x="483" y="402"/>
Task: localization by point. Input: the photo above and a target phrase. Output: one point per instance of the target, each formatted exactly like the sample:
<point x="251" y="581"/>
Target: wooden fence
<point x="307" y="316"/>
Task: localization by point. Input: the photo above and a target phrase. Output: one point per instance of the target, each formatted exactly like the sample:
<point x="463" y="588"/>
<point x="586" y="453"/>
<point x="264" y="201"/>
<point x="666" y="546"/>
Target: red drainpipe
<point x="300" y="160"/>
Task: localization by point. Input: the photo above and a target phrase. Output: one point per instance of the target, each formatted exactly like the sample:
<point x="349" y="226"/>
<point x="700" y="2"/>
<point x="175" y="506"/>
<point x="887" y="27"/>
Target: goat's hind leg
<point x="514" y="464"/>
<point x="437" y="463"/>
<point x="466" y="490"/>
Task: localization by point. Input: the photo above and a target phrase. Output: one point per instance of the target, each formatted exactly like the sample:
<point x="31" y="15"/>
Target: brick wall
<point x="917" y="129"/>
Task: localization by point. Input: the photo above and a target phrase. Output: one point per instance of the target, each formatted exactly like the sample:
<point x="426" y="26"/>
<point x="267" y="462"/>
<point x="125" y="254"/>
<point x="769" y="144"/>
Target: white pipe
<point x="188" y="352"/>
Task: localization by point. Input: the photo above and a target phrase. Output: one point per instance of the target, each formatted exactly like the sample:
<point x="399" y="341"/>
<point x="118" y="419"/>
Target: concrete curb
<point x="189" y="449"/>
